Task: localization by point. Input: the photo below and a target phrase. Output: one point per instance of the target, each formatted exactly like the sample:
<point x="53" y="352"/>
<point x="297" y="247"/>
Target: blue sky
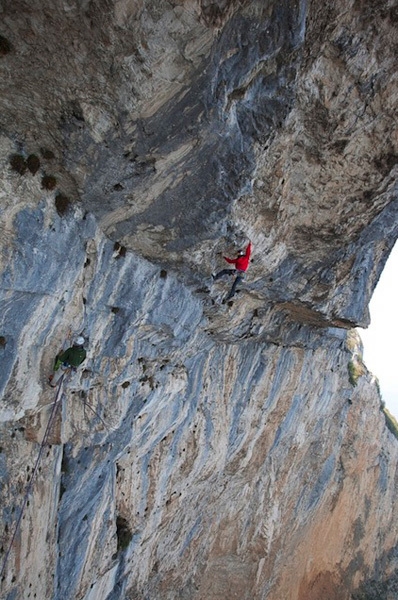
<point x="381" y="338"/>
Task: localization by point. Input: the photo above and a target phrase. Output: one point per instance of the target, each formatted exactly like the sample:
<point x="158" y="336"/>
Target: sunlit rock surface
<point x="205" y="450"/>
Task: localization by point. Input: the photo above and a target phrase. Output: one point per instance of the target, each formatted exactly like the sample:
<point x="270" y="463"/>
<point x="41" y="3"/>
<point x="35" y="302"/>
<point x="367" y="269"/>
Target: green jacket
<point x="73" y="356"/>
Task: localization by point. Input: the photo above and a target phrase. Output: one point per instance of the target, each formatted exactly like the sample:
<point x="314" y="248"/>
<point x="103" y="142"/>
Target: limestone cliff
<point x="206" y="451"/>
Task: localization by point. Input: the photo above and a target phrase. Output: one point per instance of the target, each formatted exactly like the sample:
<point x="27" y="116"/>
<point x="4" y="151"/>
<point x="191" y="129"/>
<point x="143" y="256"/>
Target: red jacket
<point x="242" y="262"/>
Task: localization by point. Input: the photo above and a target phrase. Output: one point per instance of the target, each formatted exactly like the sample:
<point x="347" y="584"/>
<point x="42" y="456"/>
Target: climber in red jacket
<point x="241" y="263"/>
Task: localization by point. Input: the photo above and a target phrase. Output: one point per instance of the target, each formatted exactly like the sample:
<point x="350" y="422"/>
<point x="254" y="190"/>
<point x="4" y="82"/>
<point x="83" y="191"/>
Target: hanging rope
<point x="34" y="472"/>
<point x="85" y="403"/>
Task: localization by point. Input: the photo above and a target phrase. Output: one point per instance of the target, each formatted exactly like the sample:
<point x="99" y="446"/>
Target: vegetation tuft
<point x="353" y="373"/>
<point x="18" y="163"/>
<point x="123" y="532"/>
<point x="356" y="367"/>
<point x="48" y="182"/>
<point x="391" y="422"/>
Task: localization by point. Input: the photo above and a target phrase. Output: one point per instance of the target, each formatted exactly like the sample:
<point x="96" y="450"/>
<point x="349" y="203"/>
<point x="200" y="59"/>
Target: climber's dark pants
<point x="224" y="272"/>
<point x="239" y="277"/>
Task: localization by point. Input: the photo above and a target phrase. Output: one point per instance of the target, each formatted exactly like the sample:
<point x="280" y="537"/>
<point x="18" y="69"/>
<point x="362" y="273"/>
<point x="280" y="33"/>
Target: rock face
<point x="204" y="451"/>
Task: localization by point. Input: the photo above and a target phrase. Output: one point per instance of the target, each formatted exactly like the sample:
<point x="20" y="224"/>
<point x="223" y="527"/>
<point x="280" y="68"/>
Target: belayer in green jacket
<point x="72" y="357"/>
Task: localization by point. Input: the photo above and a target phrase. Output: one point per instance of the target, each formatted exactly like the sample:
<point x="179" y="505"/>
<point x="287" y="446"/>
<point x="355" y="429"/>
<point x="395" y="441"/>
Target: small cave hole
<point x="62" y="203"/>
<point x="115" y="309"/>
<point x="18" y="163"/>
<point x="121" y="250"/>
<point x="48" y="182"/>
<point x="3" y="341"/>
<point x="5" y="46"/>
<point x="62" y="490"/>
<point x="47" y="154"/>
<point x="33" y="163"/>
<point x="125" y="384"/>
<point x="163" y="274"/>
<point x="118" y="187"/>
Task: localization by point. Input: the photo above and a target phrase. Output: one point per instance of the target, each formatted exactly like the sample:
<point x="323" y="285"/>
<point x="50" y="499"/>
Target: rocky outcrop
<point x="205" y="450"/>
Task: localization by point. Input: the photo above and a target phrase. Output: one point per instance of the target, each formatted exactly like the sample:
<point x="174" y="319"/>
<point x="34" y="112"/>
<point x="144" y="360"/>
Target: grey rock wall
<point x="204" y="450"/>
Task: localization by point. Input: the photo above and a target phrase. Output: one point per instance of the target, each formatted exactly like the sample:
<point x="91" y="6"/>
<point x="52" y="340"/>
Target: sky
<point x="381" y="338"/>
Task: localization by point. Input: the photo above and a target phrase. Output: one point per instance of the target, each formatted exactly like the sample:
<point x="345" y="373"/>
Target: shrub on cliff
<point x="391" y="422"/>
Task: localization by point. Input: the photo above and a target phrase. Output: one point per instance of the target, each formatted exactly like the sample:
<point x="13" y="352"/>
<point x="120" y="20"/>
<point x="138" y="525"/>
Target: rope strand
<point x="34" y="473"/>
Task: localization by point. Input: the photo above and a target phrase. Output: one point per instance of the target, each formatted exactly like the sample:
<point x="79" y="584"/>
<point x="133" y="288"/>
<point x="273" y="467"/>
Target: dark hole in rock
<point x="120" y="249"/>
<point x="33" y="163"/>
<point x="125" y="384"/>
<point x="115" y="309"/>
<point x="88" y="261"/>
<point x="5" y="46"/>
<point x="62" y="204"/>
<point x="47" y="154"/>
<point x="18" y="163"/>
<point x="118" y="187"/>
<point x="48" y="182"/>
<point x="3" y="341"/>
<point x="163" y="274"/>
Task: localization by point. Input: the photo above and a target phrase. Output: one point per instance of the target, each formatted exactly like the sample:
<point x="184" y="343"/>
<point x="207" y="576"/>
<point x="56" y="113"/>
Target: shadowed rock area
<point x="204" y="450"/>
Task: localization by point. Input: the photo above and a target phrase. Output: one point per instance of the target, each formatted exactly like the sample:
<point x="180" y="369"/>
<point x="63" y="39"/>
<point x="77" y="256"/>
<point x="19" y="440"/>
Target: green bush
<point x="355" y="370"/>
<point x="123" y="532"/>
<point x="391" y="422"/>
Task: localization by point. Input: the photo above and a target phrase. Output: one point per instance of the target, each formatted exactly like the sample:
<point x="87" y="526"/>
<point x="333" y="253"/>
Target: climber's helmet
<point x="79" y="341"/>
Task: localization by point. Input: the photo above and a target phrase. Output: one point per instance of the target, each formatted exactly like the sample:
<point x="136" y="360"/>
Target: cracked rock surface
<point x="204" y="450"/>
